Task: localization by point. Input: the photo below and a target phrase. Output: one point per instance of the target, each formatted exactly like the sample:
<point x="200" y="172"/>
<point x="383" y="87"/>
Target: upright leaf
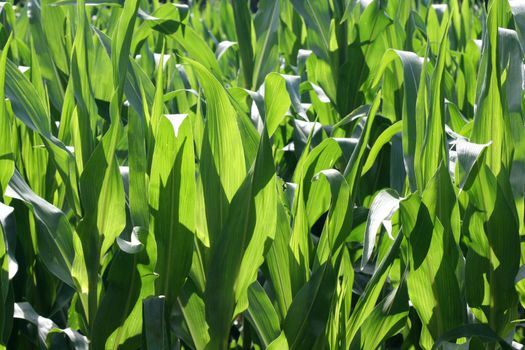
<point x="172" y="203"/>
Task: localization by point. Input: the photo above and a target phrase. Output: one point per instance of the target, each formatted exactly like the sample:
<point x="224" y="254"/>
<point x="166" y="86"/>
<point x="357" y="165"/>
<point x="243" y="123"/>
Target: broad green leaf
<point x="102" y="192"/>
<point x="266" y="55"/>
<point x="222" y="164"/>
<point x="235" y="258"/>
<point x="103" y="200"/>
<point x="121" y="45"/>
<point x="432" y="282"/>
<point x="262" y="314"/>
<point x="337" y="222"/>
<point x="280" y="343"/>
<point x="313" y="196"/>
<point x="387" y="319"/>
<point x="167" y="18"/>
<point x="28" y="108"/>
<point x="154" y="323"/>
<point x="198" y="51"/>
<point x="276" y="101"/>
<point x="243" y="30"/>
<point x="354" y="167"/>
<point x="172" y="203"/>
<point x="306" y="319"/>
<point x="8" y="268"/>
<point x="139" y="90"/>
<point x="341" y="304"/>
<point x="385" y="137"/>
<point x="433" y="150"/>
<point x="89" y="2"/>
<point x="278" y="260"/>
<point x="489" y="119"/>
<point x="8" y="226"/>
<point x="7" y="164"/>
<point x="518" y="11"/>
<point x="86" y="109"/>
<point x="47" y="32"/>
<point x="492" y="259"/>
<point x="316" y="14"/>
<point x="470" y="156"/>
<point x="193" y="311"/>
<point x="131" y="278"/>
<point x="55" y="238"/>
<point x="138" y="164"/>
<point x="367" y="301"/>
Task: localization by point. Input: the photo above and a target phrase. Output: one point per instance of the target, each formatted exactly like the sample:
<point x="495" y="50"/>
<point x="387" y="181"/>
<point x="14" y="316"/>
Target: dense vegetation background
<point x="272" y="174"/>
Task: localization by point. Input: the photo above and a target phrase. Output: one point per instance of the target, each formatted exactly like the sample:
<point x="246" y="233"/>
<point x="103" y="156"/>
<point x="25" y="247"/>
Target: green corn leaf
<point x="49" y="50"/>
<point x="262" y="314"/>
<point x="102" y="193"/>
<point x="337" y="222"/>
<point x="103" y="200"/>
<point x="139" y="89"/>
<point x="7" y="164"/>
<point x="86" y="109"/>
<point x="354" y="167"/>
<point x="433" y="150"/>
<point x="278" y="261"/>
<point x="470" y="156"/>
<point x="154" y="323"/>
<point x="320" y="158"/>
<point x="131" y="278"/>
<point x="489" y="119"/>
<point x="90" y="2"/>
<point x="276" y="101"/>
<point x="243" y="30"/>
<point x="316" y="14"/>
<point x="138" y="181"/>
<point x="387" y="319"/>
<point x="55" y="238"/>
<point x="411" y="76"/>
<point x="222" y="164"/>
<point x="432" y="283"/>
<point x="8" y="226"/>
<point x="27" y="107"/>
<point x="367" y="300"/>
<point x="518" y="12"/>
<point x="279" y="343"/>
<point x="172" y="203"/>
<point x="493" y="242"/>
<point x="308" y="314"/>
<point x="385" y="137"/>
<point x="317" y="194"/>
<point x="341" y="304"/>
<point x="234" y="259"/>
<point x="266" y="23"/>
<point x="121" y="44"/>
<point x="8" y="267"/>
<point x="166" y="19"/>
<point x="199" y="51"/>
<point x="193" y="311"/>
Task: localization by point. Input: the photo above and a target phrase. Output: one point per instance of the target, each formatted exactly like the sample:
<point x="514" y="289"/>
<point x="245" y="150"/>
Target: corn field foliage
<point x="280" y="174"/>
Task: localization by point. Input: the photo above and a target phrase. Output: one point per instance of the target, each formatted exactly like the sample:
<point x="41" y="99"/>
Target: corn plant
<point x="271" y="174"/>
